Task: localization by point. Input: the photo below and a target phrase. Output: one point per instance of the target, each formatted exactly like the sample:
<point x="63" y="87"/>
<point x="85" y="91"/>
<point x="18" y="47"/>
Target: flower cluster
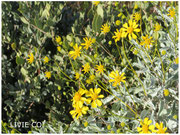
<point x="147" y="128"/>
<point x="80" y="102"/>
<point x="128" y="29"/>
<point x="77" y="50"/>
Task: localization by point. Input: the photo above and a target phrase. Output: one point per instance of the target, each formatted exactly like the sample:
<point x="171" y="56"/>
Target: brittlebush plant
<point x="102" y="67"/>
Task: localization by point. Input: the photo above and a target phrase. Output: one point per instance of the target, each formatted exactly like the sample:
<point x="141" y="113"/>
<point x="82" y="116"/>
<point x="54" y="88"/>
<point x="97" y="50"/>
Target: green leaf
<point x="24" y="71"/>
<point x="100" y="11"/>
<point x="161" y="106"/>
<point x="58" y="58"/>
<point x="97" y="23"/>
<point x="144" y="113"/>
<point x="107" y="99"/>
<point x="19" y="60"/>
<point x="13" y="46"/>
<point x="24" y="20"/>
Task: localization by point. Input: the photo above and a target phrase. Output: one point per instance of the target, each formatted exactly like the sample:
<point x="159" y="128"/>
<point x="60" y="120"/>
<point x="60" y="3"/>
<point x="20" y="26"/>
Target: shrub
<point x="90" y="67"/>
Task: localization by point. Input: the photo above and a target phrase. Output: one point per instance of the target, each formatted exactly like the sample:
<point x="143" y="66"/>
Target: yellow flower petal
<point x="137" y="30"/>
<point x="72" y="112"/>
<point x="125" y="25"/>
<point x="151" y="127"/>
<point x="149" y="122"/>
<point x="139" y="129"/>
<point x="101" y="96"/>
<point x="94" y="105"/>
<point x="99" y="103"/>
<point x="157" y="125"/>
<point x="146" y="121"/>
<point x="88" y="101"/>
<point x="129" y="36"/>
<point x="97" y="91"/>
<point x="134" y="36"/>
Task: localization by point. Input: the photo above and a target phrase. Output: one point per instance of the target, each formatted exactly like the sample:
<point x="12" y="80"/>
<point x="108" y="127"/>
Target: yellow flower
<point x="59" y="48"/>
<point x="77" y="75"/>
<point x="163" y="52"/>
<point x="58" y="40"/>
<point x="123" y="16"/>
<point x="175" y="117"/>
<point x="93" y="40"/>
<point x="76" y="52"/>
<point x="129" y="30"/>
<point x="94" y="97"/>
<point x="48" y="74"/>
<point x="122" y="124"/>
<point x="78" y="100"/>
<point x="31" y="58"/>
<point x="100" y="68"/>
<point x="116" y="3"/>
<point x="118" y="131"/>
<point x="87" y="43"/>
<point x="147" y="41"/>
<point x="105" y="28"/>
<point x="119" y="15"/>
<point x="92" y="77"/>
<point x="176" y="60"/>
<point x="88" y="81"/>
<point x="13" y="46"/>
<point x="118" y="35"/>
<point x="77" y="112"/>
<point x="117" y="79"/>
<point x="166" y="92"/>
<point x="135" y="6"/>
<point x="110" y="42"/>
<point x="160" y="128"/>
<point x="109" y="127"/>
<point x="171" y="12"/>
<point x="86" y="68"/>
<point x="146" y="127"/>
<point x="135" y="51"/>
<point x="85" y="124"/>
<point x="46" y="59"/>
<point x="118" y="22"/>
<point x="137" y="16"/>
<point x="157" y="27"/>
<point x="71" y="44"/>
<point x="13" y="131"/>
<point x="96" y="2"/>
<point x="112" y="132"/>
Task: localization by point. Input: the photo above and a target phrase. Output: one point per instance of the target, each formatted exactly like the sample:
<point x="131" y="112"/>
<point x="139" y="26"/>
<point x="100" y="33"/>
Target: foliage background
<point x="28" y="96"/>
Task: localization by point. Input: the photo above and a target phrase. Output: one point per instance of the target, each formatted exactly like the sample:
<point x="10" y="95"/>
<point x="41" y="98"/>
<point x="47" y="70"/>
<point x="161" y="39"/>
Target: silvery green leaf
<point x="144" y="113"/>
<point x="138" y="90"/>
<point x="94" y="127"/>
<point x="51" y="129"/>
<point x="107" y="99"/>
<point x="90" y="118"/>
<point x="100" y="11"/>
<point x="171" y="124"/>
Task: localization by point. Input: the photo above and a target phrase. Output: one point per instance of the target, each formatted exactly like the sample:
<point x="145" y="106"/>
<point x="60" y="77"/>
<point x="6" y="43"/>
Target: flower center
<point x="145" y="128"/>
<point x="106" y="29"/>
<point x="77" y="51"/>
<point x="130" y="30"/>
<point x="77" y="97"/>
<point x="101" y="68"/>
<point x="118" y="79"/>
<point x="148" y="41"/>
<point x="78" y="110"/>
<point x="94" y="96"/>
